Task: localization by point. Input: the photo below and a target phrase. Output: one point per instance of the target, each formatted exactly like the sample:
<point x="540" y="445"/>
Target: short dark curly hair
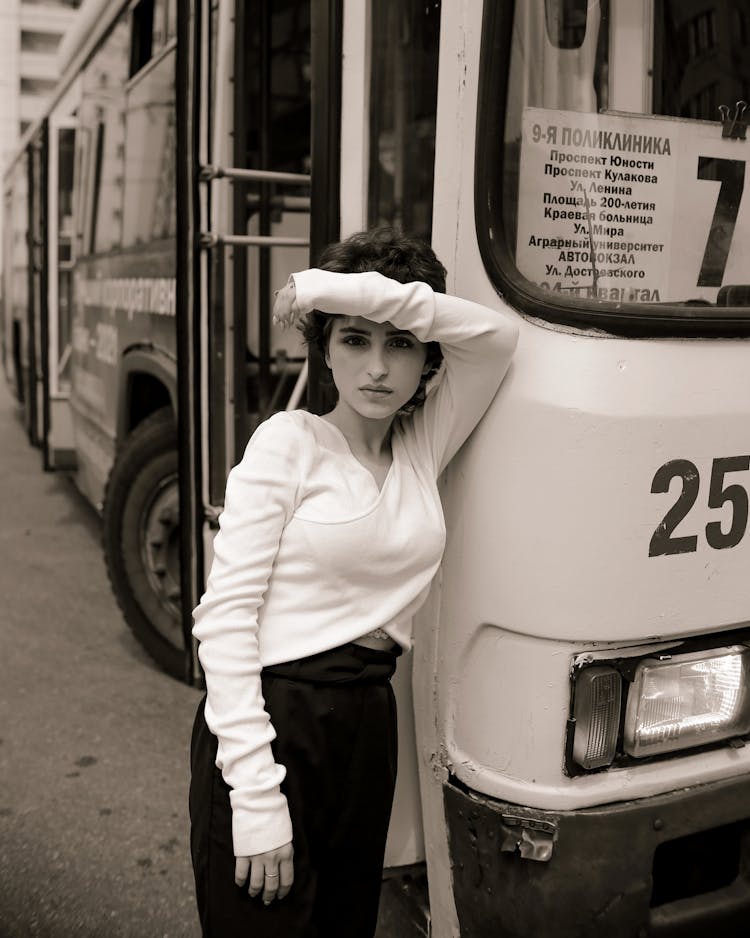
<point x="395" y="255"/>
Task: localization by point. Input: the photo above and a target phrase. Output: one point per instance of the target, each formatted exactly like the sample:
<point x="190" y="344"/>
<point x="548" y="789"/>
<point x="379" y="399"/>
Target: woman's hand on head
<point x="285" y="309"/>
<point x="271" y="873"/>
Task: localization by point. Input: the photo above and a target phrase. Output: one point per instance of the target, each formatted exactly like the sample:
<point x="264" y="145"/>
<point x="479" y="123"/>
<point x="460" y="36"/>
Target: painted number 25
<point x="664" y="541"/>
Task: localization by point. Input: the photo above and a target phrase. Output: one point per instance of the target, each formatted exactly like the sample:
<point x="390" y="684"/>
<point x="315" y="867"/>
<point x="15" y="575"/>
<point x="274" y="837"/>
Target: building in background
<point x="30" y="32"/>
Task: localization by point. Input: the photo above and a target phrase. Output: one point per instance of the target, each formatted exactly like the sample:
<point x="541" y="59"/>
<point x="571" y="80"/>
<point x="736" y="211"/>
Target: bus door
<point x="36" y="328"/>
<point x="258" y="228"/>
<point x="57" y="440"/>
<point x="252" y="223"/>
<point x="270" y="204"/>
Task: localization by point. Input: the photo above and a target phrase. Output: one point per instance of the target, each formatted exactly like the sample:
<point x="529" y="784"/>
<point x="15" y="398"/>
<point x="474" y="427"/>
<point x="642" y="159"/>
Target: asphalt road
<point x="93" y="737"/>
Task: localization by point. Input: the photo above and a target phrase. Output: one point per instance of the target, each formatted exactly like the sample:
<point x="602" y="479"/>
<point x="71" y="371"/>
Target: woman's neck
<point x="362" y="433"/>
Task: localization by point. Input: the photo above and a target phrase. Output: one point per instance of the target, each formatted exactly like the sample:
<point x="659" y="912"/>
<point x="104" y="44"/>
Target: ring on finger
<point x="272" y="875"/>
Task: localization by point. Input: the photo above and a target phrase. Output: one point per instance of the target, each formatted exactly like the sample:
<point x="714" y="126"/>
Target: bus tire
<point x="141" y="538"/>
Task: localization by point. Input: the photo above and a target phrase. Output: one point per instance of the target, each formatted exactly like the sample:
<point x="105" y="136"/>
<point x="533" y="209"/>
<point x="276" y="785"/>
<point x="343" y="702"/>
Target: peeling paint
<point x="440" y="764"/>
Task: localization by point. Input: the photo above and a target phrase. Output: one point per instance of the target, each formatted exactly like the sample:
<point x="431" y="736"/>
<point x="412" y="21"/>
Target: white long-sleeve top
<point x="310" y="554"/>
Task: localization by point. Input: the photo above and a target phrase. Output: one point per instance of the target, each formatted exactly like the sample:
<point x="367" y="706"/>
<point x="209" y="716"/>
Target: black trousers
<point x="335" y="721"/>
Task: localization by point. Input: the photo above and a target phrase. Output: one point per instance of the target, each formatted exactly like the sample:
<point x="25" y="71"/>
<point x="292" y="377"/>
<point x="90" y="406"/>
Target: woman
<point x="331" y="533"/>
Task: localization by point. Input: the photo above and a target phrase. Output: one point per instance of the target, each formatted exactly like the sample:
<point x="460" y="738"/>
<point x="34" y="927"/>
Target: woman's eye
<point x="353" y="340"/>
<point x="402" y="343"/>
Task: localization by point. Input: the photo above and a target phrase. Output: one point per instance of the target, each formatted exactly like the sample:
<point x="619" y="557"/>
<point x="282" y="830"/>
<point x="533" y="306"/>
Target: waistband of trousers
<point x="347" y="664"/>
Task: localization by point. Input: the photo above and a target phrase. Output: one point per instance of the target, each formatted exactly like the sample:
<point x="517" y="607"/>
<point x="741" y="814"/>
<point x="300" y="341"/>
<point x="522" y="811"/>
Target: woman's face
<point x="376" y="367"/>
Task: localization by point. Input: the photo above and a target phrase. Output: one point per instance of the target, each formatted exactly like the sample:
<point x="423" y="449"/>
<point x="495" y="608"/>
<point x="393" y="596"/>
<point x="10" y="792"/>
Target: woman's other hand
<point x="271" y="873"/>
<point x="285" y="308"/>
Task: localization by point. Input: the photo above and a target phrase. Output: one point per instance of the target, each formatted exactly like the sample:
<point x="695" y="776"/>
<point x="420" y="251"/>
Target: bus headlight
<point x="596" y="709"/>
<point x="687" y="700"/>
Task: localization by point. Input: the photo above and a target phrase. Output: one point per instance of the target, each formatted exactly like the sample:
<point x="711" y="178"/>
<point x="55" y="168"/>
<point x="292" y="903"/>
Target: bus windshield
<point x="623" y="155"/>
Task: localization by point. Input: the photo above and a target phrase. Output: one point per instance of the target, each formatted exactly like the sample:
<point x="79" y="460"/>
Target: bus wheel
<point x="141" y="538"/>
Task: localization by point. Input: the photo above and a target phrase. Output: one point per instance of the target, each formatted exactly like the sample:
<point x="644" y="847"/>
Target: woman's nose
<point x="377" y="366"/>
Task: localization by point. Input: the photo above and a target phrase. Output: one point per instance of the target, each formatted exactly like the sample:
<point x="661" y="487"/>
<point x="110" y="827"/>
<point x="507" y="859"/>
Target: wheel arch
<point x="148" y="383"/>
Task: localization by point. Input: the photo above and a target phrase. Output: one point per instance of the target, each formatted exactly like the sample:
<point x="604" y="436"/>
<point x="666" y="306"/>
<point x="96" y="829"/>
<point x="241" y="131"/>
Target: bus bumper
<point x="676" y="864"/>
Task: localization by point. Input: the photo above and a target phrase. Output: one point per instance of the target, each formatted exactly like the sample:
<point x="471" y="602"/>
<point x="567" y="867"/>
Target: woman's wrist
<point x="285" y="307"/>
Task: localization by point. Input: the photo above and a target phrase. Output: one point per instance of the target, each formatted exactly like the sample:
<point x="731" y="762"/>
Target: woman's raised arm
<point x="477" y="344"/>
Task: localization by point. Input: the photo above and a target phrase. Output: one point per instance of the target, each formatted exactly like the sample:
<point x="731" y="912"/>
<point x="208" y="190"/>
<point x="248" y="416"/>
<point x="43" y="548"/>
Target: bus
<point x="575" y="714"/>
<point x="90" y="314"/>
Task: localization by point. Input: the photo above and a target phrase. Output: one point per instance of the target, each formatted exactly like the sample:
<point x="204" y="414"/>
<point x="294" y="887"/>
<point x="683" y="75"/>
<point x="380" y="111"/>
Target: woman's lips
<point x="369" y="389"/>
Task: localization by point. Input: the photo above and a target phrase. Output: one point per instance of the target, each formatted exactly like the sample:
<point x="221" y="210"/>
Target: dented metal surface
<point x="637" y="868"/>
<point x="531" y="837"/>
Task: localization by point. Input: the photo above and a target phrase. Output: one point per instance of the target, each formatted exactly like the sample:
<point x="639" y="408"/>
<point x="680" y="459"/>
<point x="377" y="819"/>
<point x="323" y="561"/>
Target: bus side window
<point x="153" y="24"/>
<point x="142" y="35"/>
<point x="101" y="120"/>
<point x="403" y="92"/>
